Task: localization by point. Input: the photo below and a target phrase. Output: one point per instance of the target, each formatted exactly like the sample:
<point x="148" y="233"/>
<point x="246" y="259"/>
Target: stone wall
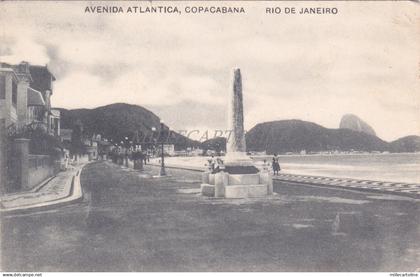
<point x="23" y="170"/>
<point x="40" y="168"/>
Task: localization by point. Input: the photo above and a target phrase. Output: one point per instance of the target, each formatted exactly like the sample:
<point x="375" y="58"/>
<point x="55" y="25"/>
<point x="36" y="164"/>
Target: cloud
<point x="188" y="114"/>
<point x="315" y="68"/>
<point x="23" y="49"/>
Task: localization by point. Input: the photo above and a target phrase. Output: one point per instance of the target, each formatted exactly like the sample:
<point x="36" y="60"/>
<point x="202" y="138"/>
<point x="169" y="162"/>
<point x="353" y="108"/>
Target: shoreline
<point x="372" y="167"/>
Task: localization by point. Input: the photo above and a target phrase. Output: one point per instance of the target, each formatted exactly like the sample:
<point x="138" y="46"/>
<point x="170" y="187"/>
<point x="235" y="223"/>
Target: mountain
<point x="296" y="135"/>
<point x="353" y="122"/>
<point x="406" y="144"/>
<point x="120" y="120"/>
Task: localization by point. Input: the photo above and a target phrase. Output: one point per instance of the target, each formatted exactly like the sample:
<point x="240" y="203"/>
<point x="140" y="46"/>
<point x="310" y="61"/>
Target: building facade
<point x="9" y="89"/>
<point x="25" y="105"/>
<point x="25" y="97"/>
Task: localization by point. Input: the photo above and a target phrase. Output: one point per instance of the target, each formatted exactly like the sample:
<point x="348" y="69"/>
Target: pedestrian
<point x="212" y="163"/>
<point x="276" y="164"/>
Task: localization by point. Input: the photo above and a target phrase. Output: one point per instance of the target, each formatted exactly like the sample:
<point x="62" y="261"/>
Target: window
<point x="56" y="121"/>
<point x="14" y="94"/>
<point x="2" y="87"/>
<point x="40" y="113"/>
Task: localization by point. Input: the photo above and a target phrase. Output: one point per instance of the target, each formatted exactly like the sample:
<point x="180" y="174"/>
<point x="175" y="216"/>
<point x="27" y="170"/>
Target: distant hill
<point x="353" y="122"/>
<point x="405" y="144"/>
<point x="119" y="120"/>
<point x="216" y="144"/>
<point x="296" y="135"/>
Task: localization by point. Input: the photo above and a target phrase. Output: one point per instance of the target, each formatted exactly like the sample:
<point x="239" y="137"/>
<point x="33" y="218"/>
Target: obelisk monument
<point x="236" y="144"/>
<point x="239" y="178"/>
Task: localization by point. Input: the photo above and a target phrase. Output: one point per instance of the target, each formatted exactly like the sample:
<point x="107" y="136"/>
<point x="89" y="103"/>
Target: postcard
<point x="209" y="136"/>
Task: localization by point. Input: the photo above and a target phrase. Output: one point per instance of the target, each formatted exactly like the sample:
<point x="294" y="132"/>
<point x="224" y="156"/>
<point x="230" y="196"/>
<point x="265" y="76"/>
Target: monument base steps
<point x="244" y="179"/>
<point x="207" y="190"/>
<point x="246" y="191"/>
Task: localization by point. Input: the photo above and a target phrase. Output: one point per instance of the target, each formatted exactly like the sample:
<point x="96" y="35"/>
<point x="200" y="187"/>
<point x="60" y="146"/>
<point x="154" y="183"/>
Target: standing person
<point x="276" y="165"/>
<point x="145" y="158"/>
<point x="212" y="163"/>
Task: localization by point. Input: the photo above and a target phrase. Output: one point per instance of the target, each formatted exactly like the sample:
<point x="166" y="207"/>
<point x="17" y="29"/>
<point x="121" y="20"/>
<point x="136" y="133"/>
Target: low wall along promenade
<point x="41" y="167"/>
<point x="23" y="170"/>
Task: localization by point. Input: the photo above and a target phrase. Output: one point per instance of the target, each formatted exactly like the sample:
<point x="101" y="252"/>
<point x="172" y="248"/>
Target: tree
<point x="77" y="146"/>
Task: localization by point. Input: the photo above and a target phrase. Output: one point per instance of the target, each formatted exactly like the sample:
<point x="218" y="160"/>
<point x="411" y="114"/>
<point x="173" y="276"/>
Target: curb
<point x="347" y="183"/>
<point x="75" y="195"/>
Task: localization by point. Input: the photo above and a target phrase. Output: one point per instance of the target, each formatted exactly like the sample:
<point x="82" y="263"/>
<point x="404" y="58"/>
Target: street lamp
<point x="126" y="151"/>
<point x="153" y="142"/>
<point x="162" y="165"/>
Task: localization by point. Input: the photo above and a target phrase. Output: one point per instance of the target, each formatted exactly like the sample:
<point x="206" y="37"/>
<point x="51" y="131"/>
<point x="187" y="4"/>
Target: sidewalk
<point x="405" y="189"/>
<point x="63" y="188"/>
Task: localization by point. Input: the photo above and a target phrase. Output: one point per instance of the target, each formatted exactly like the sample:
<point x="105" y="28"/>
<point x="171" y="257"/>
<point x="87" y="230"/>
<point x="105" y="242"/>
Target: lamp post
<point x="153" y="143"/>
<point x="126" y="146"/>
<point x="162" y="165"/>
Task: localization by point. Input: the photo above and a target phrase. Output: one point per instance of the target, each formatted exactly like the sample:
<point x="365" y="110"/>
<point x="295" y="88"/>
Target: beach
<point x="392" y="167"/>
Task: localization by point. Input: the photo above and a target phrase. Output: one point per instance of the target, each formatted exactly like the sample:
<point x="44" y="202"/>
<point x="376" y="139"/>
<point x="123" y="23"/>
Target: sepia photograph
<point x="209" y="136"/>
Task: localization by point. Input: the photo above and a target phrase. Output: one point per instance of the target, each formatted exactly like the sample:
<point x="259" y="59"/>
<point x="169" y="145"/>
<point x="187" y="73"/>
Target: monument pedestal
<point x="237" y="159"/>
<point x="224" y="184"/>
<point x="207" y="190"/>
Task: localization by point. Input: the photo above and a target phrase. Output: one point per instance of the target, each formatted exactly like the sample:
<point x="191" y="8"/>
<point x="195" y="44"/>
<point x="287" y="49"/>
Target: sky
<point x="365" y="60"/>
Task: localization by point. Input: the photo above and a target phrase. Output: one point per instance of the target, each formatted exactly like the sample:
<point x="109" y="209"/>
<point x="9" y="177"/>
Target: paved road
<point x="132" y="222"/>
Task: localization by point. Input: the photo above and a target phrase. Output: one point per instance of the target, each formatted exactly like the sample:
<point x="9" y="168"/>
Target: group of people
<point x="119" y="155"/>
<point x="216" y="164"/>
<point x="275" y="165"/>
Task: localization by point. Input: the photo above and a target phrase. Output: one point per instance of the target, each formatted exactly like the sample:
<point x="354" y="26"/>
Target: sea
<point x="392" y="167"/>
